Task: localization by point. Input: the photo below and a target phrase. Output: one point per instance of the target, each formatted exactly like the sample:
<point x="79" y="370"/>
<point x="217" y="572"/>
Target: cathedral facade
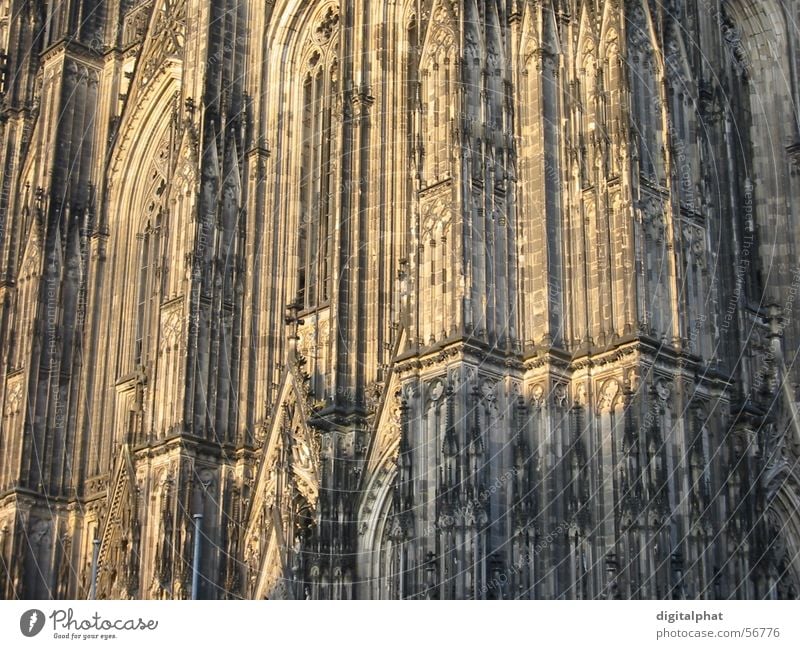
<point x="339" y="299"/>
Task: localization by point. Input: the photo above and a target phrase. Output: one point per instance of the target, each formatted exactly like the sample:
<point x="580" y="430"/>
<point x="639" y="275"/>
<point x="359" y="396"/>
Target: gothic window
<point x="747" y="127"/>
<point x="681" y="131"/>
<point x="682" y="137"/>
<point x="141" y="294"/>
<point x="612" y="82"/>
<point x="145" y="265"/>
<point x="317" y="187"/>
<point x="588" y="114"/>
<point x="647" y="112"/>
<point x="411" y="67"/>
<point x="145" y="292"/>
<point x="4" y="18"/>
<point x="438" y="98"/>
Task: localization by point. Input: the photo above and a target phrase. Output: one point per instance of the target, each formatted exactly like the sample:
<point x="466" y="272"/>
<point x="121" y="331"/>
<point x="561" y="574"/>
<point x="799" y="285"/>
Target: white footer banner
<point x="399" y="624"/>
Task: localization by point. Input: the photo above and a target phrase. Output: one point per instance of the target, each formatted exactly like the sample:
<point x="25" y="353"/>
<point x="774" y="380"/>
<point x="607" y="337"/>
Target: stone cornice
<point x="457" y="348"/>
<point x="77" y="50"/>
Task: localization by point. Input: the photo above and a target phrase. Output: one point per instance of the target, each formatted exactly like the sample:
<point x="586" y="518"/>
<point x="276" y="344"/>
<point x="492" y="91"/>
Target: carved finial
<point x="293" y="321"/>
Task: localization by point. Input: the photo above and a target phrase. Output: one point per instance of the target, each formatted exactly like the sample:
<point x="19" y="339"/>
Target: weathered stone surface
<point x="434" y="299"/>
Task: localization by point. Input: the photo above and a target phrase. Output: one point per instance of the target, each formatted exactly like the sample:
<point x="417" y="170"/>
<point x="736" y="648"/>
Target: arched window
<point x="588" y="90"/>
<point x="437" y="69"/>
<point x="411" y="66"/>
<point x="4" y="23"/>
<point x="145" y="292"/>
<point x="146" y="261"/>
<point x="612" y="96"/>
<point x="320" y="87"/>
<point x="647" y="108"/>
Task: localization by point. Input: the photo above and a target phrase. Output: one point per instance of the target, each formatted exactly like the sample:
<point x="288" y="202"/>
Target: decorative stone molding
<point x="14" y="394"/>
<point x="609" y="394"/>
<point x="171" y="327"/>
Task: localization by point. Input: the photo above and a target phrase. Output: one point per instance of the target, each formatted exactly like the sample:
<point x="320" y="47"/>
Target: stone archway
<point x="759" y="48"/>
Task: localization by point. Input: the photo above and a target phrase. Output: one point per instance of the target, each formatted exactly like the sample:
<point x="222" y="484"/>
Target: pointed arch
<point x="379" y="568"/>
<point x="138" y="228"/>
<point x="437" y="90"/>
<point x="139" y="171"/>
<point x="283" y="509"/>
<point x="120" y="535"/>
<point x="783" y="534"/>
<point x="760" y="47"/>
<point x="319" y="71"/>
<point x="644" y="73"/>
